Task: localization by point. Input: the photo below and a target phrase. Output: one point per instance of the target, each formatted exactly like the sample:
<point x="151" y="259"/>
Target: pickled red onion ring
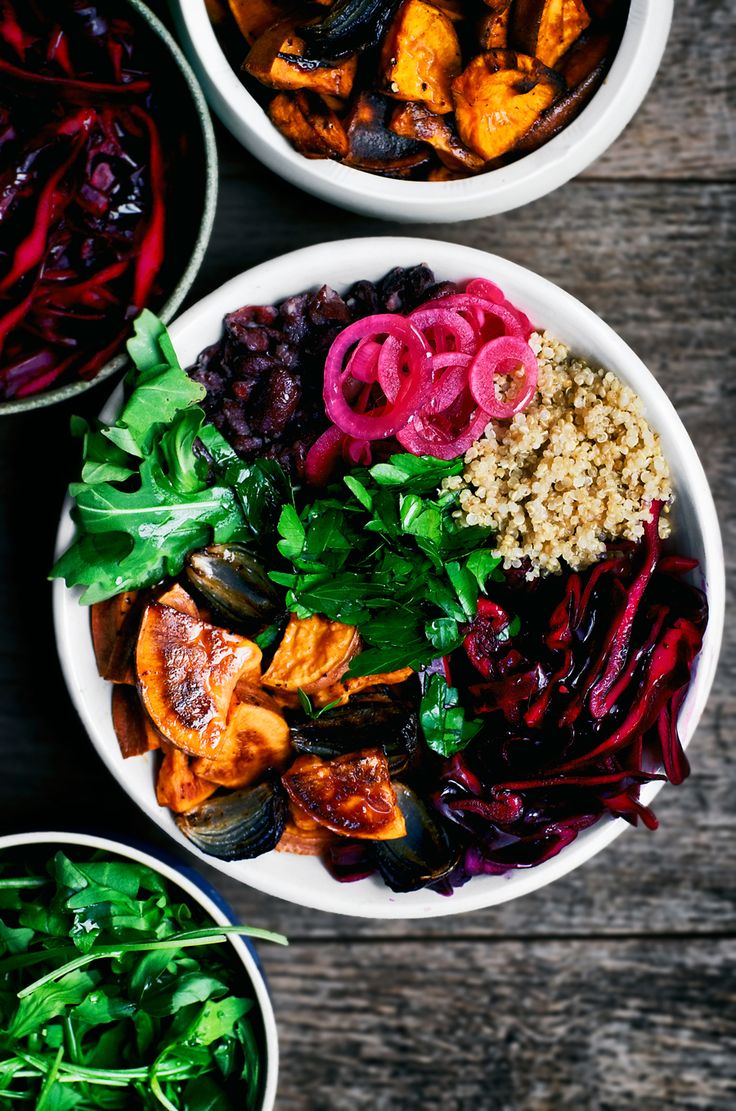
<point x="478" y="310"/>
<point x="489" y="362"/>
<point x="410" y="369"/>
<point x="489" y="291"/>
<point x="441" y="320"/>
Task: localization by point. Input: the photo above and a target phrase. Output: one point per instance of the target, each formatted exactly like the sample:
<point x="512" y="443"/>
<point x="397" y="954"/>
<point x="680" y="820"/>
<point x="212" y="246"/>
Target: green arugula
<point x="160" y="481"/>
<point x="383" y="551"/>
<point x="442" y="718"/>
<point x="142" y="1014"/>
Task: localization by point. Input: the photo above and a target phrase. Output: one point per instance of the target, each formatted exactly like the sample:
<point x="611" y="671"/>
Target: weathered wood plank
<point x="499" y="1027"/>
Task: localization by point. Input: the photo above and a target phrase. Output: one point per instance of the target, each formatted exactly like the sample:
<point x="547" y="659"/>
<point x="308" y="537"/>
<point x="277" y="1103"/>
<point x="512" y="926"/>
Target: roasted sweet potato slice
<point x="547" y="29"/>
<point x="253" y="17"/>
<point x="415" y="121"/>
<point x="186" y="671"/>
<point x="177" y="597"/>
<point x="313" y="653"/>
<point x="421" y="56"/>
<point x="498" y="97"/>
<point x="305" y="842"/>
<point x="276" y="59"/>
<point x="309" y="125"/>
<point x="114" y="627"/>
<point x="256" y="741"/>
<point x="341" y="692"/>
<point x="493" y="30"/>
<point x="133" y="728"/>
<point x="351" y="795"/>
<point x="177" y="787"/>
<point x="456" y="10"/>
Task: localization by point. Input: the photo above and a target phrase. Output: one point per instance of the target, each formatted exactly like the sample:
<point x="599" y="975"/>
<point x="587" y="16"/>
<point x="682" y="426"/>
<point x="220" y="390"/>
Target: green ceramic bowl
<point x="191" y="226"/>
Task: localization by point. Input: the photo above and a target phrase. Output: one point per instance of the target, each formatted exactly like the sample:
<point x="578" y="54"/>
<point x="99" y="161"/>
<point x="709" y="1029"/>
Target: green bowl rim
<point x="119" y="362"/>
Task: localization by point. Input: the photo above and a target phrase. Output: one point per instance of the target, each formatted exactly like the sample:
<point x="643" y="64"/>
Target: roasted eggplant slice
<point x="349" y="27"/>
<point x="234" y="584"/>
<point x="375" y="719"/>
<point x="238" y="825"/>
<point x="424" y="855"/>
<point x="187" y="671"/>
<point x="373" y="146"/>
<point x="351" y="795"/>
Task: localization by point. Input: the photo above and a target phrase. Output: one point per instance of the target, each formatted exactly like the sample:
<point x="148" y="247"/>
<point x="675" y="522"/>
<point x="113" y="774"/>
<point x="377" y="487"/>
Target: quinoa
<point x="577" y="469"/>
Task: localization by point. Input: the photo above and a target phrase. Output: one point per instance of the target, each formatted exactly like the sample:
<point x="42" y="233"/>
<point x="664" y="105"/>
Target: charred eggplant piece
<point x="375" y="719"/>
<point x="424" y="856"/>
<point x="348" y="27"/>
<point x="229" y="579"/>
<point x="238" y="825"/>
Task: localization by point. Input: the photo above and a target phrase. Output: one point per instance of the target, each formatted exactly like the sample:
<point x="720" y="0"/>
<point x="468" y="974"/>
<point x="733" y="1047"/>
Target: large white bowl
<point x="534" y="175"/>
<point x="304" y="880"/>
<point x="197" y="891"/>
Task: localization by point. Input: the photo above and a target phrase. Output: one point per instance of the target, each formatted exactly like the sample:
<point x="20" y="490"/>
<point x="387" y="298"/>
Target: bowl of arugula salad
<point x="394" y="594"/>
<point x="126" y="982"/>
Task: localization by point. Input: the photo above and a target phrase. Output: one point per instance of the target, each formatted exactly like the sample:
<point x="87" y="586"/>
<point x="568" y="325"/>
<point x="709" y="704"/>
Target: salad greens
<point x="383" y="551"/>
<point x="442" y="718"/>
<point x="112" y="990"/>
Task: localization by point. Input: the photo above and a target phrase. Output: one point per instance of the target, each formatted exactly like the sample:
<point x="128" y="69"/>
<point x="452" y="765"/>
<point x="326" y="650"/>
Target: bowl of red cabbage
<point x="395" y="593"/>
<point x="101" y="120"/>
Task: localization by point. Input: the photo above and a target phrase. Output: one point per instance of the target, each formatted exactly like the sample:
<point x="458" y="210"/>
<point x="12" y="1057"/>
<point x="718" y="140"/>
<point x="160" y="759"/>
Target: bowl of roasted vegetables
<point x="101" y="120"/>
<point x="426" y="109"/>
<point x="126" y="983"/>
<point x="390" y="593"/>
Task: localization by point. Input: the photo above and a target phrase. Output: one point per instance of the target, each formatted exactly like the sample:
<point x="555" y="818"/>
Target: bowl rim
<point x="184" y="284"/>
<point x="362" y="254"/>
<point x="558" y="160"/>
<point x="195" y="889"/>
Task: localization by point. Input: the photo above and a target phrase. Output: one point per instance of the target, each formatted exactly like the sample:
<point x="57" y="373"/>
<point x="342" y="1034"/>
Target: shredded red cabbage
<point x="82" y="190"/>
<point x="580" y="707"/>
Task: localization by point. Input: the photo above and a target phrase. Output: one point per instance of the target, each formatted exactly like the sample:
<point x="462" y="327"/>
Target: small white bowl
<point x="199" y="892"/>
<point x="533" y="176"/>
<point x="305" y="880"/>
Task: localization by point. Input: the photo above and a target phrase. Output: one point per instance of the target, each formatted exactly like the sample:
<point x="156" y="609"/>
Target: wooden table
<point x="610" y="989"/>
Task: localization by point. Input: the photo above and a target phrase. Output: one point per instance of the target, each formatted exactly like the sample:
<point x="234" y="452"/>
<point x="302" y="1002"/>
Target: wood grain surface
<point x="613" y="988"/>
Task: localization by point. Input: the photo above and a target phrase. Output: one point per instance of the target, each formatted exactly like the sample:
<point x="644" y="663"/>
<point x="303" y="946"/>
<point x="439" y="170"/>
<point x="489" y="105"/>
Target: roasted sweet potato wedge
<point x="256" y="741"/>
<point x="276" y="59"/>
<point x="133" y="728"/>
<point x="177" y="597"/>
<point x="421" y="56"/>
<point x="341" y="692"/>
<point x="546" y="29"/>
<point x="591" y="52"/>
<point x="313" y="653"/>
<point x="498" y="97"/>
<point x="114" y="627"/>
<point x="253" y="17"/>
<point x="309" y="125"/>
<point x="305" y="842"/>
<point x="186" y="671"/>
<point x="493" y="30"/>
<point x="415" y="121"/>
<point x="351" y="795"/>
<point x="176" y="784"/>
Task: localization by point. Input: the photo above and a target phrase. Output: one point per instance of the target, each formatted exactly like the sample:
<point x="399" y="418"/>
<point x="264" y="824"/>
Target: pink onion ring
<point x="489" y="362"/>
<point x="410" y="387"/>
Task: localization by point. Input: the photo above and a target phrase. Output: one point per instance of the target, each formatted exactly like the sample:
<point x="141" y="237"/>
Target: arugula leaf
<point x="442" y="718"/>
<point x="37" y="1009"/>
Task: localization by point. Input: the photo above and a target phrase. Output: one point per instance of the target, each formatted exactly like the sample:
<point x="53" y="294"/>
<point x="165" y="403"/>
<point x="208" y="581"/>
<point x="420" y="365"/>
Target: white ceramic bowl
<point x="597" y="126"/>
<point x="304" y="880"/>
<point x="197" y="891"/>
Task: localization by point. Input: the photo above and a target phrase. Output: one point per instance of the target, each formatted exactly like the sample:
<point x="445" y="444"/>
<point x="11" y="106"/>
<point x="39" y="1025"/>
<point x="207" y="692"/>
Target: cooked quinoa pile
<point x="579" y="467"/>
